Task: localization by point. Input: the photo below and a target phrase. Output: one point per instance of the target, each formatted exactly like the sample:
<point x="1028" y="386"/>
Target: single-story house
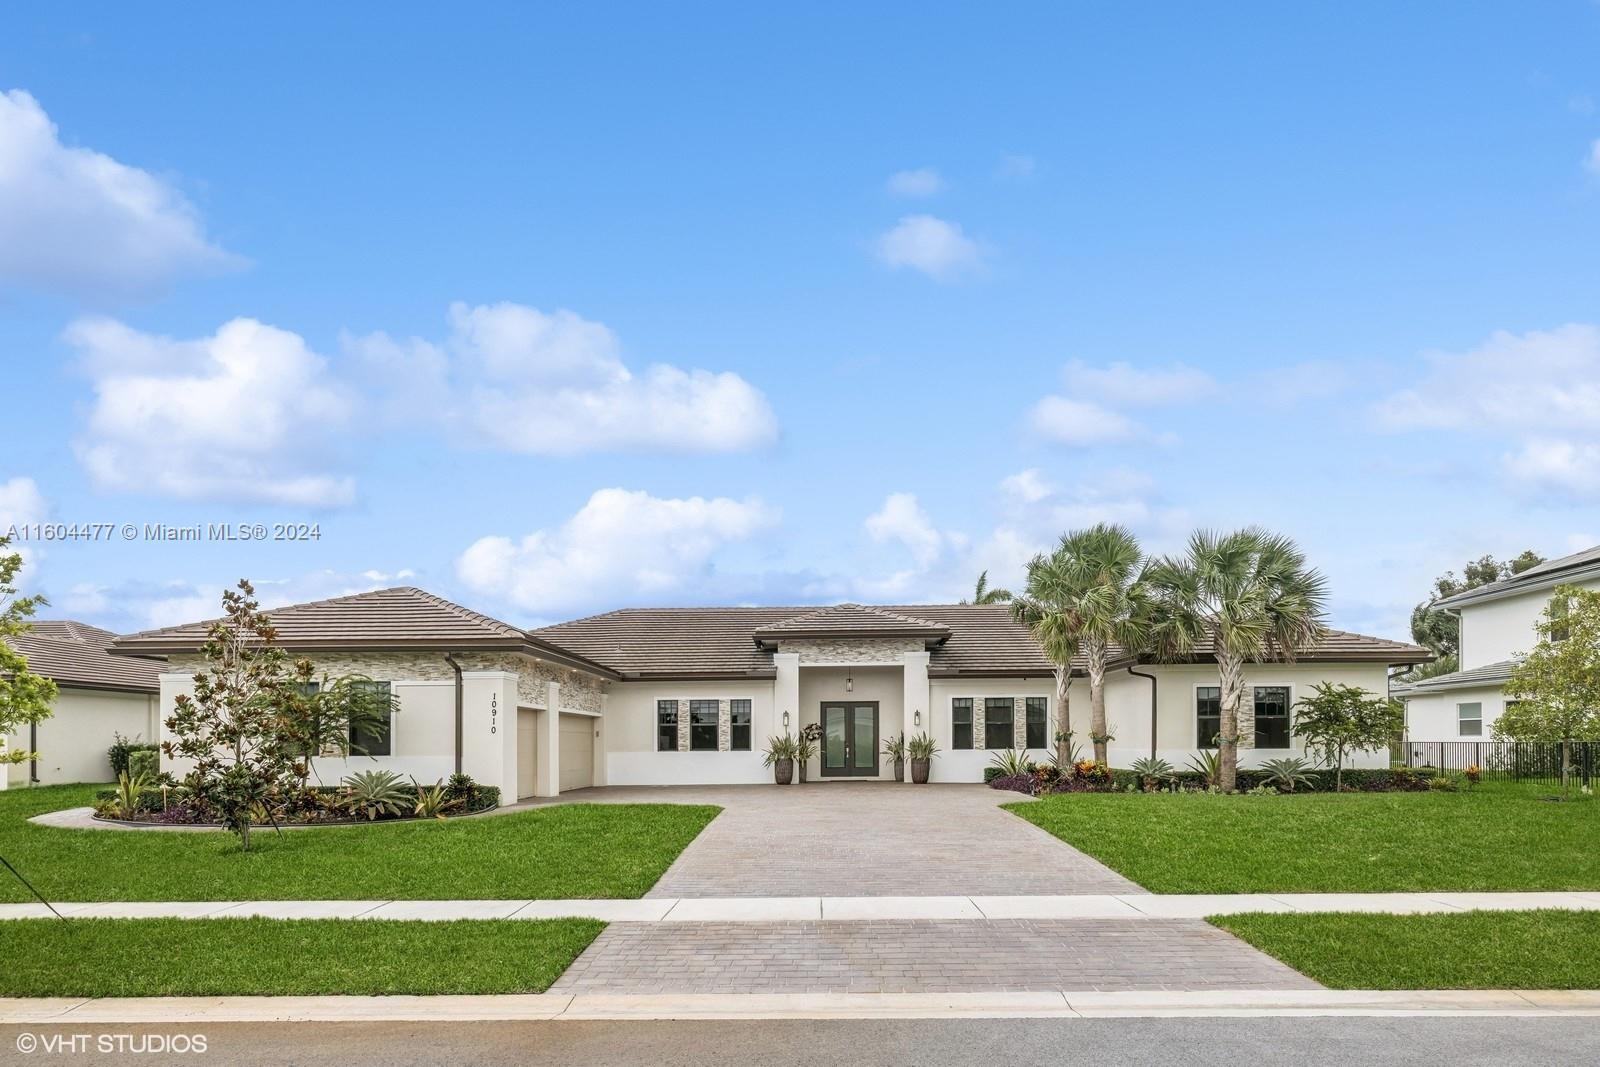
<point x="690" y="695"/>
<point x="100" y="696"/>
<point x="1497" y="629"/>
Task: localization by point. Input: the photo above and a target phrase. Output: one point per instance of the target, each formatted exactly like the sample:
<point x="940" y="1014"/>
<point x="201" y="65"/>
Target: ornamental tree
<point x="1337" y="720"/>
<point x="1554" y="693"/>
<point x="25" y="697"/>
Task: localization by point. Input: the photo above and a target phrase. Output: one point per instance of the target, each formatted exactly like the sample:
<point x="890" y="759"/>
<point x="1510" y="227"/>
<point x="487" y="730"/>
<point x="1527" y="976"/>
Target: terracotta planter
<point x="919" y="771"/>
<point x="783" y="771"/>
<point x="899" y="770"/>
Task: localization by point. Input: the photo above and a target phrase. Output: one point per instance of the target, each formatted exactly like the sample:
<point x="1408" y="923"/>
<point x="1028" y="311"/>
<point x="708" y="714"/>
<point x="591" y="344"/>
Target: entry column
<point x="916" y="715"/>
<point x="547" y="781"/>
<point x="786" y="698"/>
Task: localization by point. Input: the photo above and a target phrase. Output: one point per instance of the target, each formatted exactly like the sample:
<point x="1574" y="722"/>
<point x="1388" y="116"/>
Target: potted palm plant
<point x="920" y="750"/>
<point x="780" y="755"/>
<point x="895" y="749"/>
<point x="806" y="747"/>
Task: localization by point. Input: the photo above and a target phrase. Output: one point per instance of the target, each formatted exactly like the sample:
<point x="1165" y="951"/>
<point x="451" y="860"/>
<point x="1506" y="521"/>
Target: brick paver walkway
<point x="859" y="839"/>
<point x="922" y="956"/>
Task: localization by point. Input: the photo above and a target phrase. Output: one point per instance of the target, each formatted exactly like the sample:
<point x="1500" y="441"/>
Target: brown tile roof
<point x="384" y="620"/>
<point x="721" y="642"/>
<point x="851" y="620"/>
<point x="75" y="655"/>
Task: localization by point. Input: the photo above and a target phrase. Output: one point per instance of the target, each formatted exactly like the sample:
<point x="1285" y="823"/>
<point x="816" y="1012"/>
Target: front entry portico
<point x="850" y="739"/>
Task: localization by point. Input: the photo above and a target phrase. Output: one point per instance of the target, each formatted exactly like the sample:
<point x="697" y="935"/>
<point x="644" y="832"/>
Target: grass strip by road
<point x="1483" y="840"/>
<point x="1542" y="949"/>
<point x="285" y="957"/>
<point x="565" y="851"/>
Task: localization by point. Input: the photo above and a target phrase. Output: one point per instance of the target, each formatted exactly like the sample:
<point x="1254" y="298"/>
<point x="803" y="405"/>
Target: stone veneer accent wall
<point x="578" y="690"/>
<point x="881" y="651"/>
<point x="1019" y="718"/>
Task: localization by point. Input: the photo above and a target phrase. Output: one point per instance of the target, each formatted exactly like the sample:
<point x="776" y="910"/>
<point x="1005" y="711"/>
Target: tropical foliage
<point x="1088" y="596"/>
<point x="1338" y="719"/>
<point x="1554" y="693"/>
<point x="25" y="697"/>
<point x="1440" y="630"/>
<point x="1246" y="597"/>
<point x="1287" y="774"/>
<point x="375" y="794"/>
<point x="984" y="593"/>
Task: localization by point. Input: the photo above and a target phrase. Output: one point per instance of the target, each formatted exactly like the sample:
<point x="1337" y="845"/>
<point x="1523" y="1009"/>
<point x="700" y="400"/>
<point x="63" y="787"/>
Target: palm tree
<point x="1088" y="596"/>
<point x="1250" y="597"/>
<point x="982" y="594"/>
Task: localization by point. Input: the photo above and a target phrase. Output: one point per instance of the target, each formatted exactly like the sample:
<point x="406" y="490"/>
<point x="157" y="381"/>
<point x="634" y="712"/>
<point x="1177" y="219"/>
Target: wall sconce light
<point x="786" y="722"/>
<point x="849" y="683"/>
<point x="916" y="717"/>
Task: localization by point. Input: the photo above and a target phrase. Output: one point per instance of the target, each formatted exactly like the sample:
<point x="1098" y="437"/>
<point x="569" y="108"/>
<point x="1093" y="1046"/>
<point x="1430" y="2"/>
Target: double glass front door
<point x="850" y="739"/>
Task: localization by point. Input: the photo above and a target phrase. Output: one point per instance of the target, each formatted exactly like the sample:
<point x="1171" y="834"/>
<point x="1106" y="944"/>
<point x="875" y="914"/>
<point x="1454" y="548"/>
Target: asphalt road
<point x="1303" y="1042"/>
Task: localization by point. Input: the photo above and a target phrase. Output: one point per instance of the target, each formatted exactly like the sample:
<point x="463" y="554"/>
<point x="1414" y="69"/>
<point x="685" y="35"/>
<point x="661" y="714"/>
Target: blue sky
<point x="562" y="308"/>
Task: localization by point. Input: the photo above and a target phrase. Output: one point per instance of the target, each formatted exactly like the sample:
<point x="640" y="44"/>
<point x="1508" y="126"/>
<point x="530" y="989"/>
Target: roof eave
<point x="1499" y="592"/>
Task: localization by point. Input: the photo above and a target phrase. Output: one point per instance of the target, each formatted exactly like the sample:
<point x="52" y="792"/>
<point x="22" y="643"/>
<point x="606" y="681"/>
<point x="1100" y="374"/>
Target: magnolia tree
<point x="1554" y="693"/>
<point x="254" y="723"/>
<point x="25" y="698"/>
<point x="1337" y="720"/>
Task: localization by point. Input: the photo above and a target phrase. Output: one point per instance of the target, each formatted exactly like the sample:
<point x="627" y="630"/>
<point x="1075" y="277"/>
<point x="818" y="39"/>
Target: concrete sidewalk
<point x="1132" y="906"/>
<point x="1010" y="1005"/>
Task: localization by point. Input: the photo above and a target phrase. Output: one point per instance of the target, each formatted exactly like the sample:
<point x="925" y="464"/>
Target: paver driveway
<point x="863" y="839"/>
<point x="859" y="839"/>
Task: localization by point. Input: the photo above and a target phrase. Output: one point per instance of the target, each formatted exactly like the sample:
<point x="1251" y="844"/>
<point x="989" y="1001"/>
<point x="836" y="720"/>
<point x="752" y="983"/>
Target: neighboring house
<point x="1497" y="629"/>
<point x="100" y="696"/>
<point x="690" y="695"/>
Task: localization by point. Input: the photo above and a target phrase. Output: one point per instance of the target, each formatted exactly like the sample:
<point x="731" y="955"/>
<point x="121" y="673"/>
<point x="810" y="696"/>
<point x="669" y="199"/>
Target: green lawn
<point x="1488" y="839"/>
<point x="572" y="850"/>
<point x="1462" y="950"/>
<point x="279" y="957"/>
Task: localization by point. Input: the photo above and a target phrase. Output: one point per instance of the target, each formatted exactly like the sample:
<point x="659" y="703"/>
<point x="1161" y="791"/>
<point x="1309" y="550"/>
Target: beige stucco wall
<point x="1434" y="717"/>
<point x="966" y="765"/>
<point x="83" y="724"/>
<point x="630" y="733"/>
<point x="1498" y="630"/>
<point x="883" y="685"/>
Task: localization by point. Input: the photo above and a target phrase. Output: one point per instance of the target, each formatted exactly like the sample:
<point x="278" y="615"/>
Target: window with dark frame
<point x="666" y="726"/>
<point x="1560" y="608"/>
<point x="1036" y="721"/>
<point x="739" y="725"/>
<point x="1272" y="716"/>
<point x="998" y="715"/>
<point x="1207" y="715"/>
<point x="961" y="722"/>
<point x="703" y="725"/>
<point x="367" y="742"/>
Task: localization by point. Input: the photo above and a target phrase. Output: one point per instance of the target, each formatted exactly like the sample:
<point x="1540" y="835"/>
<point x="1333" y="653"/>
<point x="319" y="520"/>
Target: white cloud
<point x="1124" y="385"/>
<point x="1015" y="166"/>
<point x="924" y="181"/>
<point x="245" y="414"/>
<point x="902" y="520"/>
<point x="1563" y="467"/>
<point x="21" y="504"/>
<point x="1539" y="389"/>
<point x="1080" y="423"/>
<point x="1027" y="486"/>
<point x="523" y="380"/>
<point x="76" y="221"/>
<point x="933" y="246"/>
<point x="140" y="604"/>
<point x="621" y="547"/>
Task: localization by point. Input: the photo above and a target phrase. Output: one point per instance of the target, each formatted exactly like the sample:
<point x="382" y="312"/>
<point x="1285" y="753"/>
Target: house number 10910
<point x="494" y="712"/>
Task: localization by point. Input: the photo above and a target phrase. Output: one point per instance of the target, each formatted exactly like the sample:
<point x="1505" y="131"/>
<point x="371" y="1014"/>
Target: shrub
<point x="990" y="774"/>
<point x="143" y="761"/>
<point x="1011" y="762"/>
<point x="371" y="794"/>
<point x="117" y="754"/>
<point x="1017" y="783"/>
<point x="1391" y="780"/>
<point x="1152" y="772"/>
<point x="1287" y="775"/>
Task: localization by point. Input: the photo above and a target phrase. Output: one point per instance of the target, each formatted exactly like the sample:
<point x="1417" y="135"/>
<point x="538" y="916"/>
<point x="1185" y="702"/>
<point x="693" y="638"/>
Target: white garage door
<point x="577" y="752"/>
<point x="527" y="752"/>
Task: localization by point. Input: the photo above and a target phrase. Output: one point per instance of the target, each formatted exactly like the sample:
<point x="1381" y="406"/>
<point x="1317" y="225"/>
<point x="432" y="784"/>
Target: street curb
<point x="752" y="1006"/>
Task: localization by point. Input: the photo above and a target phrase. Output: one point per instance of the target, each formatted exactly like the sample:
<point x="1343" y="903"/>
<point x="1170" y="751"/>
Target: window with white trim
<point x="998" y="713"/>
<point x="961" y="722"/>
<point x="739" y="726"/>
<point x="1272" y="716"/>
<point x="666" y="726"/>
<point x="703" y="715"/>
<point x="1037" y="709"/>
<point x="1469" y="719"/>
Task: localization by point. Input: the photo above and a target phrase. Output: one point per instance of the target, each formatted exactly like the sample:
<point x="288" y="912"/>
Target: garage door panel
<point x="577" y="752"/>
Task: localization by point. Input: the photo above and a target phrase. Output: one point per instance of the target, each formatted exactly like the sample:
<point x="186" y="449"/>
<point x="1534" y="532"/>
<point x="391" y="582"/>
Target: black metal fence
<point x="1517" y="761"/>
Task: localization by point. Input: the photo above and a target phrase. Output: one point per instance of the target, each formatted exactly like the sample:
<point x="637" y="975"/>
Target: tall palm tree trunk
<point x="1232" y="672"/>
<point x="1063" y="715"/>
<point x="1095" y="652"/>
